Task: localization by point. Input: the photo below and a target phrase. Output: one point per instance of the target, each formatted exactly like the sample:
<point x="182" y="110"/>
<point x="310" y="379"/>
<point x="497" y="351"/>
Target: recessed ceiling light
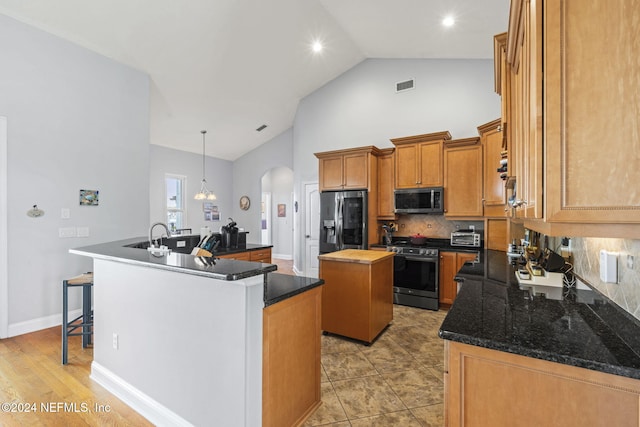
<point x="448" y="21"/>
<point x="316" y="46"/>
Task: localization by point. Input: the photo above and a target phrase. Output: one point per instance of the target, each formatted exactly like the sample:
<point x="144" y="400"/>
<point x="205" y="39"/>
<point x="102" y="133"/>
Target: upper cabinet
<point x="418" y="160"/>
<point x="494" y="165"/>
<point x="592" y="112"/>
<point x="386" y="171"/>
<point x="576" y="131"/>
<point x="354" y="168"/>
<point x="463" y="178"/>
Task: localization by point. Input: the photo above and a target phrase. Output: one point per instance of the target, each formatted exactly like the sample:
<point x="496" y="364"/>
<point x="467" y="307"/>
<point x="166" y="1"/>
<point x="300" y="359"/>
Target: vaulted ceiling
<point x="230" y="66"/>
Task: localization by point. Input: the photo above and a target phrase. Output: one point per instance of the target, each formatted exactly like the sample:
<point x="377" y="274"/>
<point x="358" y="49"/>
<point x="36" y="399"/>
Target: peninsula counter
<point x="179" y="338"/>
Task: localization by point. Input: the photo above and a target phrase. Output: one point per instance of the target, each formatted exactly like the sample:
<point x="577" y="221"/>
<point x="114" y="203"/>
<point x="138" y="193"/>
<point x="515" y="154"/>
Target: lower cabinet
<point x="450" y="263"/>
<point x="291" y="359"/>
<point x="260" y="255"/>
<point x="485" y="387"/>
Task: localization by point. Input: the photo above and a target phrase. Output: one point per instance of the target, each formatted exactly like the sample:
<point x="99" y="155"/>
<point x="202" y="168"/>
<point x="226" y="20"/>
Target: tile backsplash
<point x="435" y="226"/>
<point x="586" y="261"/>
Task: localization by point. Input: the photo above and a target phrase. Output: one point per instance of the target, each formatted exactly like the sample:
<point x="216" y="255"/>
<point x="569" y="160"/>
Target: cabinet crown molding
<point x="357" y="150"/>
<point x="492" y="125"/>
<point x="462" y="142"/>
<point x="435" y="136"/>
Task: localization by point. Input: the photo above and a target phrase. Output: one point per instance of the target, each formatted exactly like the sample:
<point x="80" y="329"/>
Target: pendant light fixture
<point x="204" y="193"/>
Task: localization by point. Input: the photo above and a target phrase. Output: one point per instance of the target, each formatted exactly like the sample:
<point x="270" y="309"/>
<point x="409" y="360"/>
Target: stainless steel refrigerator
<point x="343" y="220"/>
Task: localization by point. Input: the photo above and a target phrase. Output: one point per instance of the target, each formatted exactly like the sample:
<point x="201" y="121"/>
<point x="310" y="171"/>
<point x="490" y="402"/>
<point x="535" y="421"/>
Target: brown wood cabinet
<point x="463" y="178"/>
<point x="241" y="256"/>
<point x="591" y="112"/>
<point x="386" y="173"/>
<point x="493" y="198"/>
<point x="357" y="296"/>
<point x="450" y="263"/>
<point x="350" y="169"/>
<point x="574" y="130"/>
<point x="260" y="255"/>
<point x="419" y="160"/>
<point x="485" y="387"/>
<point x="291" y="359"/>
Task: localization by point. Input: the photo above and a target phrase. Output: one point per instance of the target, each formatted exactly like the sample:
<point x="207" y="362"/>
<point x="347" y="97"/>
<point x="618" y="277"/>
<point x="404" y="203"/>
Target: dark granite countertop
<point x="222" y="269"/>
<point x="279" y="287"/>
<point x="582" y="329"/>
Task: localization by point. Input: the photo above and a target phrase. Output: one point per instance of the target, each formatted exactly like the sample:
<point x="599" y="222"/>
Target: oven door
<point x="415" y="275"/>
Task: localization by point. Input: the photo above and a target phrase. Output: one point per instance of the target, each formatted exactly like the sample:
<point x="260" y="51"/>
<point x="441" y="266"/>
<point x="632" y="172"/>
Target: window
<point x="174" y="199"/>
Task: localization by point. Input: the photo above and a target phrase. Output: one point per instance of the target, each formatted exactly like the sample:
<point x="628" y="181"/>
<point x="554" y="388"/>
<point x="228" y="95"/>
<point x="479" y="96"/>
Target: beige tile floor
<point x="397" y="381"/>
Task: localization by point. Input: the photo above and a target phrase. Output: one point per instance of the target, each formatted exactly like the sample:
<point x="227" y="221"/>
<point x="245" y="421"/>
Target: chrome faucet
<point x="151" y="245"/>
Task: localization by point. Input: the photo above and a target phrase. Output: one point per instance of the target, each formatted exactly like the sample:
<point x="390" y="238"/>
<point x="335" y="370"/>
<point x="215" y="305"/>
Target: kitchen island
<point x="181" y="339"/>
<point x="357" y="299"/>
<point x="512" y="358"/>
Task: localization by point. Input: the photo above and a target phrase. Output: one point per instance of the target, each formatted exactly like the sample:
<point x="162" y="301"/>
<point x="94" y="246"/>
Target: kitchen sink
<point x="180" y="244"/>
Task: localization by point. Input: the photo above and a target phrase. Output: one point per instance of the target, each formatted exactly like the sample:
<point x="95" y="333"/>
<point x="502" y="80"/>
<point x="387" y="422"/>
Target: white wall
<point x="361" y="107"/>
<point x="76" y="120"/>
<point x="166" y="160"/>
<point x="279" y="182"/>
<point x="247" y="175"/>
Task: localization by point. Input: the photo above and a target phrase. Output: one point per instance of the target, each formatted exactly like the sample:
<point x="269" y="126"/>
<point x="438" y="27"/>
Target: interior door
<point x="312" y="229"/>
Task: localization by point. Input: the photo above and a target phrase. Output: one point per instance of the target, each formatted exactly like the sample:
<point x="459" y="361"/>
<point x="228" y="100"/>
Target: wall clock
<point x="245" y="203"/>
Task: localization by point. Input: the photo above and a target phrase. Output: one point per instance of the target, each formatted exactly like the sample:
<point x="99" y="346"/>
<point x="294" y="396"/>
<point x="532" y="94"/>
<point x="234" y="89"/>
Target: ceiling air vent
<point x="405" y="85"/>
<point x="261" y="128"/>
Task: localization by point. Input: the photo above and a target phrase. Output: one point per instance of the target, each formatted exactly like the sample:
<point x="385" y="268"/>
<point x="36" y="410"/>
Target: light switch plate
<point x="83" y="231"/>
<point x="65" y="232"/>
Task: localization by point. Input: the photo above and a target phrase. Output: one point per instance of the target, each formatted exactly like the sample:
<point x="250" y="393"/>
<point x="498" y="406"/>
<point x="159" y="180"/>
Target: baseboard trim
<point x="40" y="323"/>
<point x="138" y="401"/>
<point x="296" y="271"/>
<point x="282" y="256"/>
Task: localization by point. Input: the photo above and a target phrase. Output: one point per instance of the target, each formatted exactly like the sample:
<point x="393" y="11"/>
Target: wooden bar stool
<point x="85" y="320"/>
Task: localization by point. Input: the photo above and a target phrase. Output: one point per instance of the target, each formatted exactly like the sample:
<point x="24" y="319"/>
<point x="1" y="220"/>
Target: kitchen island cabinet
<point x="185" y="340"/>
<point x="357" y="298"/>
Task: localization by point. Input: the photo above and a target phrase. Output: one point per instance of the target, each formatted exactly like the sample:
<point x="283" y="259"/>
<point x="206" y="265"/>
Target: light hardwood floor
<point x="37" y="390"/>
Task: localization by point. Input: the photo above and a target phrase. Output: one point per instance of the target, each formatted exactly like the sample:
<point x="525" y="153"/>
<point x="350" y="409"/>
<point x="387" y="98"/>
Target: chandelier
<point x="204" y="193"/>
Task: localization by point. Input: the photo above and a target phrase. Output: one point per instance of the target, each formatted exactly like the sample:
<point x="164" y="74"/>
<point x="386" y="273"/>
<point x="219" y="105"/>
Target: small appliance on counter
<point x="468" y="238"/>
<point x="231" y="237"/>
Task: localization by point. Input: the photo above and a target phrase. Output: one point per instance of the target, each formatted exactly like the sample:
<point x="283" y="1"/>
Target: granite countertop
<point x="359" y="256"/>
<point x="222" y="269"/>
<point x="279" y="287"/>
<point x="582" y="328"/>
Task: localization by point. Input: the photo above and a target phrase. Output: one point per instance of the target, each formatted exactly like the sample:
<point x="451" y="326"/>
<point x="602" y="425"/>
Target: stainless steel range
<point x="415" y="275"/>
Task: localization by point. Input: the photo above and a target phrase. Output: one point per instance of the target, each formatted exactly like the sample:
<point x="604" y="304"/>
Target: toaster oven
<point x="465" y="238"/>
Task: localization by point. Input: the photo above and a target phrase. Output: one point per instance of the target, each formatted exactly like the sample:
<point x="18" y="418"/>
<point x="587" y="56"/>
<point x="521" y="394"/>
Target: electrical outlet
<point x="65" y="213"/>
<point x="630" y="261"/>
<point x="115" y="341"/>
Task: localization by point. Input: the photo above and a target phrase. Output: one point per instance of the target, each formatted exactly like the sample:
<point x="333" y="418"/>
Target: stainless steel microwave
<point x="419" y="200"/>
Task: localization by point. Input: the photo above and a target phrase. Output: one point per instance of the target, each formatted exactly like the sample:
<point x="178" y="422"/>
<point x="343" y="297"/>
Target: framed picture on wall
<point x="282" y="210"/>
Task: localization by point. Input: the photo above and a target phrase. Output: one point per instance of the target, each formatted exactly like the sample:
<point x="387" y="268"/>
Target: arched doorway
<point x="277" y="212"/>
